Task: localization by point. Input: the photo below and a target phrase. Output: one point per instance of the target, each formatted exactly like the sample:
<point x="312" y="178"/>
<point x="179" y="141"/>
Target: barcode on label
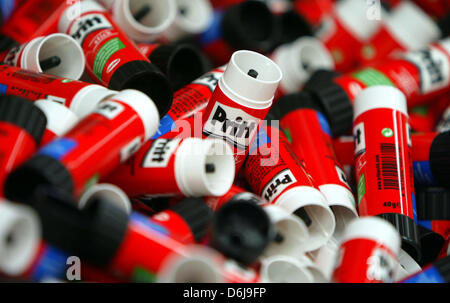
<point x="390" y="170"/>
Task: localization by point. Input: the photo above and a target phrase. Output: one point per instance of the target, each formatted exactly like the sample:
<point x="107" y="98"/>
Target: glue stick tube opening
<point x="109" y="192"/>
<point x="19" y="237"/>
<point x="284" y="269"/>
<point x="194" y="16"/>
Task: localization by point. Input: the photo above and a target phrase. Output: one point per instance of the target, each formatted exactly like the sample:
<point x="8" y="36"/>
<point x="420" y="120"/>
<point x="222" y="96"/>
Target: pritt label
<point x="209" y="80"/>
<point x="160" y="153"/>
<point x="13" y="55"/>
<point x="110" y="109"/>
<point x="231" y="124"/>
<point x="88" y="24"/>
<point x="359" y="138"/>
<point x="434" y="68"/>
<point x="381" y="266"/>
<point x="130" y="149"/>
<point x="278" y="184"/>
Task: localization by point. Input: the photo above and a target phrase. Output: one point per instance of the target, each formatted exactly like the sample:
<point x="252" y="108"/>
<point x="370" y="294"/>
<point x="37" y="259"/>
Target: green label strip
<point x="361" y="188"/>
<point x="104" y="54"/>
<point x="372" y="77"/>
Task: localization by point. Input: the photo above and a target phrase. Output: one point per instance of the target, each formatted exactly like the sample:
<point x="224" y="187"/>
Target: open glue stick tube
<point x="292" y="233"/>
<point x="421" y="75"/>
<point x="56" y="54"/>
<point x="305" y="126"/>
<point x="112" y="59"/>
<point x="109" y="136"/>
<point x="383" y="162"/>
<point x="80" y="97"/>
<point x="189" y="167"/>
<point x="60" y="120"/>
<point x="22" y="126"/>
<point x="275" y="174"/>
<point x="406" y="266"/>
<point x="298" y="60"/>
<point x="284" y="269"/>
<point x="20" y="233"/>
<point x="109" y="192"/>
<point x="241" y="101"/>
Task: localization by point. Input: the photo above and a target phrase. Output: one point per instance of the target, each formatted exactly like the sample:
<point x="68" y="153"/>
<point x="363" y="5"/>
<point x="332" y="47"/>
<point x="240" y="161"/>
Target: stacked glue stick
<point x="302" y="141"/>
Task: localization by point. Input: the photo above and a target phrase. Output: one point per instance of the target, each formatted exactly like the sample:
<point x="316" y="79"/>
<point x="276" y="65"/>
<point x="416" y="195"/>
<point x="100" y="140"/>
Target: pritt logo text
<point x="88" y="24"/>
<point x="278" y="184"/>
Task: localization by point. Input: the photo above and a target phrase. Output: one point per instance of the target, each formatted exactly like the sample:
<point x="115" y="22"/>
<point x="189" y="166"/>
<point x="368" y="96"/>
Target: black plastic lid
<point x="292" y="26"/>
<point x="431" y="244"/>
<point x="40" y="170"/>
<point x="292" y="102"/>
<point x="241" y="231"/>
<point x="147" y="78"/>
<point x="433" y="203"/>
<point x="440" y="158"/>
<point x="444" y="26"/>
<point x="250" y="25"/>
<point x="443" y="266"/>
<point x="333" y="100"/>
<point x="24" y="114"/>
<point x="409" y="233"/>
<point x="196" y="214"/>
<point x="6" y="43"/>
<point x="181" y="63"/>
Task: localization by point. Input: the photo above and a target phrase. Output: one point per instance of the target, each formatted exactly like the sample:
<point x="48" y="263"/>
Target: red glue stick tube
<point x="425" y="118"/>
<point x="247" y="25"/>
<point x="430" y="158"/>
<point x="24" y="22"/>
<point x="275" y="174"/>
<point x="144" y="21"/>
<point x="345" y="31"/>
<point x="189" y="100"/>
<point x="298" y="60"/>
<point x="344" y="146"/>
<point x="181" y="63"/>
<point x="438" y="272"/>
<point x="112" y="59"/>
<point x="60" y="120"/>
<point x="20" y="233"/>
<point x="314" y="10"/>
<point x="383" y="162"/>
<point x="80" y="97"/>
<point x="406" y="28"/>
<point x="109" y="136"/>
<point x="193" y="18"/>
<point x="241" y="101"/>
<point x="189" y="167"/>
<point x="109" y="192"/>
<point x="56" y="54"/>
<point x="418" y="74"/>
<point x="368" y="252"/>
<point x="22" y="126"/>
<point x="293" y="234"/>
<point x="305" y="126"/>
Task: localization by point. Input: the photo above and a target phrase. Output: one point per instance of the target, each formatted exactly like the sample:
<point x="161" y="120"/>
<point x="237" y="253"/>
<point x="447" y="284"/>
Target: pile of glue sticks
<point x="303" y="141"/>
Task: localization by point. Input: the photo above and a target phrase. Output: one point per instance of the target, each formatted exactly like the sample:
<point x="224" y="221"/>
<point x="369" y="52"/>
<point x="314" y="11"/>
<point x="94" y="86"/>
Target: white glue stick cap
<point x="356" y="16"/>
<point x="143" y="20"/>
<point x="284" y="269"/>
<point x="326" y="257"/>
<point x="204" y="167"/>
<point x="317" y="274"/>
<point x="60" y="47"/>
<point x="255" y="91"/>
<point x="194" y="17"/>
<point x="20" y="235"/>
<point x="293" y="229"/>
<point x="411" y="26"/>
<point x="407" y="266"/>
<point x="342" y="203"/>
<point x="73" y="12"/>
<point x="298" y="60"/>
<point x="109" y="192"/>
<point x="198" y="264"/>
<point x="376" y="229"/>
<point x="379" y="96"/>
<point x="144" y="107"/>
<point x="310" y="202"/>
<point x="60" y="119"/>
<point x="86" y="100"/>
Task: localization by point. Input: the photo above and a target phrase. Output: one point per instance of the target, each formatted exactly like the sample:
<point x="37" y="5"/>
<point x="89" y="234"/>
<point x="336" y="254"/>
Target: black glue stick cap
<point x="409" y="233"/>
<point x="334" y="101"/>
<point x="7" y="43"/>
<point x="241" y="231"/>
<point x="24" y="114"/>
<point x="292" y="26"/>
<point x="433" y="203"/>
<point x="181" y="63"/>
<point x="440" y="159"/>
<point x="443" y="266"/>
<point x="431" y="244"/>
<point x="147" y="78"/>
<point x="292" y="102"/>
<point x="196" y="214"/>
<point x="250" y="25"/>
<point x="39" y="170"/>
<point x="444" y="26"/>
